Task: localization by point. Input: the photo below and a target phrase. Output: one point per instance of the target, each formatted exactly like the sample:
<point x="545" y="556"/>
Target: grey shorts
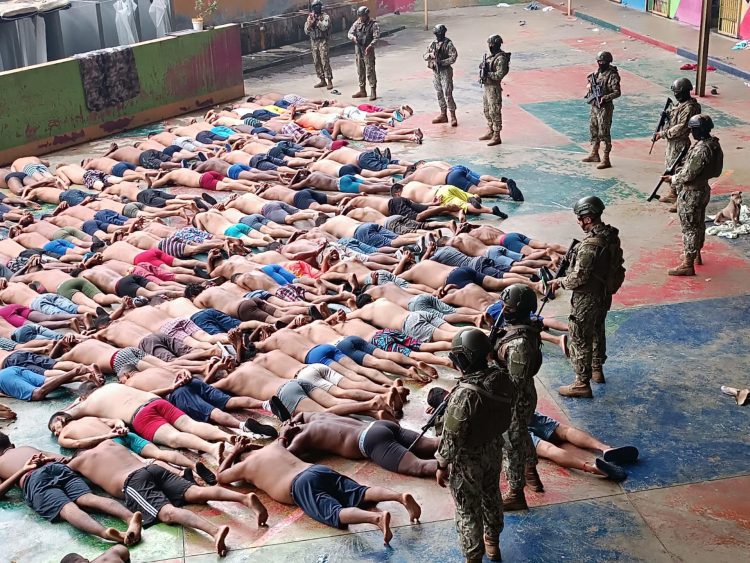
<point x="292" y="392"/>
<point x="131" y="209"/>
<point x="402" y="225"/>
<point x="430" y="303"/>
<point x="422" y="324"/>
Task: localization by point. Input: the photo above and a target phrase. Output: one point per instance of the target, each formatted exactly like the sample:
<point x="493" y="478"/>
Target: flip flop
<point x="315" y="314"/>
<point x="252" y="426"/>
<point x="205" y="473"/>
<point x="209" y="198"/>
<point x="279" y="410"/>
<point x="140" y="301"/>
<point x="621" y="455"/>
<point x="515" y="193"/>
<point x="187" y="474"/>
<point x="612" y="471"/>
<point x="201" y="204"/>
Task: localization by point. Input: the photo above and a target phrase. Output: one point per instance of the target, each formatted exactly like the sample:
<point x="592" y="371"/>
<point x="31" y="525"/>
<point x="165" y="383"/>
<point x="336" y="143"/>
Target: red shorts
<point x="153" y="273"/>
<point x="209" y="180"/>
<point x="155" y="257"/>
<point x="336" y="145"/>
<point x="153" y="416"/>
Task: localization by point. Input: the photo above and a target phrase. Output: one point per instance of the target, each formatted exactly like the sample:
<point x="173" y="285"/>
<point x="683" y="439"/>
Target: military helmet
<point x="702" y="122"/>
<point x="469" y="349"/>
<point x="440" y="29"/>
<point x="494" y="41"/>
<point x="363" y="11"/>
<point x="521" y="299"/>
<point x="590" y="205"/>
<point x="316" y="3"/>
<point x="682" y="86"/>
<point x="605" y="56"/>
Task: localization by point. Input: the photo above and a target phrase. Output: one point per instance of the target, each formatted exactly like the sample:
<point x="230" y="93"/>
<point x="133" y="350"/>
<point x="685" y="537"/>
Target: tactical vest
<point x="531" y="339"/>
<point x="492" y="416"/>
<point x="363" y="33"/>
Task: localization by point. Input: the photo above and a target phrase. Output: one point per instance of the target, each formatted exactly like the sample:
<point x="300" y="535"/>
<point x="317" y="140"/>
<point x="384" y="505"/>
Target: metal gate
<point x="659" y="7"/>
<point x="729" y="17"/>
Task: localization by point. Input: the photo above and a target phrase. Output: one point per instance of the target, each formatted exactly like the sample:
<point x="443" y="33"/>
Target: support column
<point x="703" y="40"/>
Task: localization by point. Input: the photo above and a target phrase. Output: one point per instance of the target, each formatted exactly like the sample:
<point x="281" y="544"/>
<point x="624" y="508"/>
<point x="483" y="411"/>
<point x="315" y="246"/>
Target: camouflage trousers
<point x="366" y="68"/>
<point x="442" y="80"/>
<point x="493" y="107"/>
<point x="691" y="209"/>
<point x="321" y="59"/>
<point x="475" y="486"/>
<point x="519" y="449"/>
<point x="674" y="148"/>
<point x="600" y="123"/>
<point x="588" y="344"/>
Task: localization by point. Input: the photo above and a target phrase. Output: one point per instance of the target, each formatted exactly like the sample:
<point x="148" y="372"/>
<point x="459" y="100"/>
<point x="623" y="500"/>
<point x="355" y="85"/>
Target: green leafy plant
<point x="204" y="8"/>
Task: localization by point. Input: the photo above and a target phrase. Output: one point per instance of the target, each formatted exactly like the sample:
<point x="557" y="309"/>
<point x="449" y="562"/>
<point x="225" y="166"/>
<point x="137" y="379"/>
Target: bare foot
<point x="384" y="523"/>
<point x="417" y="376"/>
<point x="114" y="535"/>
<point x="427" y="369"/>
<point x="414" y="510"/>
<point x="253" y="503"/>
<point x="133" y="533"/>
<point x="220" y="541"/>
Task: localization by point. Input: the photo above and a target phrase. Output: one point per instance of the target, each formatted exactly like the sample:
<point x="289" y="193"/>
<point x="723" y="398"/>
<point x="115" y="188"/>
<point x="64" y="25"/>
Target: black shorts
<point x="461" y="277"/>
<point x="48" y="489"/>
<point x="154" y="198"/>
<point x="385" y="443"/>
<point x="150" y="489"/>
<point x="197" y="399"/>
<point x="164" y="347"/>
<point x="254" y="310"/>
<point x="30" y="361"/>
<point x="321" y="493"/>
<point x="303" y="199"/>
<point x="129" y="285"/>
<point x="152" y="159"/>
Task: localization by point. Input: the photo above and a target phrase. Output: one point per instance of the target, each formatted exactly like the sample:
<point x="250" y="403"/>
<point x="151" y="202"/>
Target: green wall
<point x="42" y="108"/>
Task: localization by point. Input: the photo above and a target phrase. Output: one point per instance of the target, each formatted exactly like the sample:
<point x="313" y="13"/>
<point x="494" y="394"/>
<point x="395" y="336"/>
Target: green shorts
<point x="70" y="287"/>
<point x="67" y="233"/>
<point x="131" y="209"/>
<point x="133" y="442"/>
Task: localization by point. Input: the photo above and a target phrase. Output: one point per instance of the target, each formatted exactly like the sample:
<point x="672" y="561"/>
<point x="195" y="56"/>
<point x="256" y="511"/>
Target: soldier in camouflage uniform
<point x="676" y="131"/>
<point x="519" y="346"/>
<point x="440" y="57"/>
<point x="364" y="33"/>
<point x="600" y="118"/>
<point x="704" y="160"/>
<point x="491" y="73"/>
<point x="318" y="27"/>
<point x="471" y="445"/>
<point x="592" y="280"/>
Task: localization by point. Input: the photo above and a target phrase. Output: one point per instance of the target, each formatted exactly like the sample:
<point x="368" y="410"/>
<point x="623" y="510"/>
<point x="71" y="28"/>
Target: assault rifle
<point x="594" y="94"/>
<point x="484" y="70"/>
<point x="662" y="122"/>
<point x="668" y="172"/>
<point x="561" y="271"/>
<point x="439" y="411"/>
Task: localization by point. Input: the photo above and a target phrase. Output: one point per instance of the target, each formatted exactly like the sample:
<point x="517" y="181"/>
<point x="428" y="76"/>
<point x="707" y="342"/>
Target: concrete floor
<point x="672" y="342"/>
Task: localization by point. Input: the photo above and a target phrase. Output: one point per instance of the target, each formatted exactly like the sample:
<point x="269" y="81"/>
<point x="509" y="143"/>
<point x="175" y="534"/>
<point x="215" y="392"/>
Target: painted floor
<point x="672" y="342"/>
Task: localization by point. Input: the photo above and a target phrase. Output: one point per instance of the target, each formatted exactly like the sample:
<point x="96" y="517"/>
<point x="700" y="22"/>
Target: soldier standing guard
<point x="491" y="73"/>
<point x="677" y="133"/>
<point x="596" y="273"/>
<point x="318" y="27"/>
<point x="440" y="57"/>
<point x="364" y="33"/>
<point x="471" y="445"/>
<point x="704" y="160"/>
<point x="519" y="345"/>
<point x="604" y="86"/>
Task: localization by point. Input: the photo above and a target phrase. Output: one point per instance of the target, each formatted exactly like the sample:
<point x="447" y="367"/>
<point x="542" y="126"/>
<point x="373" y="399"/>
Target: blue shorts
<point x="223" y="133"/>
<point x="263" y="114"/>
<point x="234" y="171"/>
<point x="110" y="217"/>
<point x="462" y="178"/>
<point x="374" y="235"/>
<point x="356" y="348"/>
<point x="197" y="399"/>
<point x="20" y="383"/>
<point x="349" y="170"/>
<point x="503" y="256"/>
<point x="90" y="227"/>
<point x="357" y="246"/>
<point x="369" y="160"/>
<point x="73" y="197"/>
<point x="30" y="361"/>
<point x="237" y="231"/>
<point x="133" y="442"/>
<point x="58" y="247"/>
<point x="461" y="277"/>
<point x="324" y="354"/>
<point x="53" y="304"/>
<point x="258" y="294"/>
<point x="120" y="168"/>
<point x="321" y="493"/>
<point x="541" y="427"/>
<point x="255" y="221"/>
<point x="350" y="184"/>
<point x="303" y="199"/>
<point x="266" y="130"/>
<point x="33" y="331"/>
<point x="514" y="241"/>
<point x="48" y="489"/>
<point x="213" y="321"/>
<point x="280" y="275"/>
<point x="207" y="138"/>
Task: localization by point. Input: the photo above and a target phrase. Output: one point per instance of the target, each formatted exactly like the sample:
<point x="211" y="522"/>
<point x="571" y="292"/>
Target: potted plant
<point x="203" y="9"/>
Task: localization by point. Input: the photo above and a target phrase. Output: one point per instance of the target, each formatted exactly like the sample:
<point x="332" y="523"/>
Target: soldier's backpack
<point x="533" y="340"/>
<point x="611" y="250"/>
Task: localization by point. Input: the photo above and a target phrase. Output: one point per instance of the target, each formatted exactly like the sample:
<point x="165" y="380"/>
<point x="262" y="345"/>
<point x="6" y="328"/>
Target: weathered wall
<point x="43" y="109"/>
<point x="388" y="6"/>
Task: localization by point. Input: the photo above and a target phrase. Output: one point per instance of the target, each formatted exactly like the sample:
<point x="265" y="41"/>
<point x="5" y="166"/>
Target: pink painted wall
<point x="689" y="11"/>
<point x="745" y="22"/>
<point x="389" y="6"/>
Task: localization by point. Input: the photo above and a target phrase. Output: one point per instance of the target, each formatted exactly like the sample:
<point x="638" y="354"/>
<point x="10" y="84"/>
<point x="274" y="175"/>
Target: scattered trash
<point x="730" y="230"/>
<point x="533" y="6"/>
<point x="708" y="279"/>
<point x="715" y="90"/>
<point x="740" y="395"/>
<point x="521" y="22"/>
<point x="595" y="29"/>
<point x="693" y="66"/>
<point x="741" y="45"/>
<point x="335" y="92"/>
<point x="547" y="9"/>
<point x="503" y="5"/>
